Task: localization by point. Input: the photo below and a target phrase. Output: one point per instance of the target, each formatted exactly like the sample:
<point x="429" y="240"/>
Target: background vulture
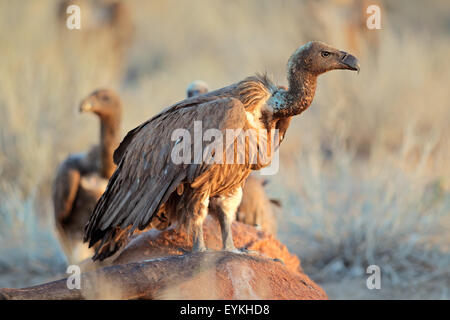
<point x="196" y="87"/>
<point x="82" y="178"/>
<point x="147" y="180"/>
<point x="105" y="23"/>
<point x="256" y="209"/>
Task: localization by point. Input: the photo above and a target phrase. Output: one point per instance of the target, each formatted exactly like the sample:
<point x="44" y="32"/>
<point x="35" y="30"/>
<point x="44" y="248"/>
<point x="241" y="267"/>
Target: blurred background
<point x="364" y="176"/>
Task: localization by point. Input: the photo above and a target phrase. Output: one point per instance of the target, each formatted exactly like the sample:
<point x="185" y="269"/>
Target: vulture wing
<point x="195" y="101"/>
<point x="225" y="92"/>
<point x="146" y="174"/>
<point x="65" y="188"/>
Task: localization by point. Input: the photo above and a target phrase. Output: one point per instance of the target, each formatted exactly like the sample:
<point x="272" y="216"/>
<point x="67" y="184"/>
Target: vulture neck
<point x="302" y="87"/>
<point x="109" y="140"/>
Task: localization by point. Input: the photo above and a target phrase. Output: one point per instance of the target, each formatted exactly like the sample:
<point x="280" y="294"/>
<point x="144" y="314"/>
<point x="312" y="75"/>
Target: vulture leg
<point x="198" y="241"/>
<point x="225" y="210"/>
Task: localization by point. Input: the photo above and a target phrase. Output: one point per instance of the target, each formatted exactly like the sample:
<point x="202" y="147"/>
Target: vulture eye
<point x="105" y="98"/>
<point x="325" y="54"/>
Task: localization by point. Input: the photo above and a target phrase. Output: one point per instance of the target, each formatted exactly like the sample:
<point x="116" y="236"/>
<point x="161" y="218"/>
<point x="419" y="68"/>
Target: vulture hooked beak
<point x="349" y="62"/>
<point x="85" y="106"/>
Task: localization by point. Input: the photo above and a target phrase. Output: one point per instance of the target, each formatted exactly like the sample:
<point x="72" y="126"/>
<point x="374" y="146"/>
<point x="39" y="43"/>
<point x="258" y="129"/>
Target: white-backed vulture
<point x="82" y="178"/>
<point x="255" y="209"/>
<point x="148" y="179"/>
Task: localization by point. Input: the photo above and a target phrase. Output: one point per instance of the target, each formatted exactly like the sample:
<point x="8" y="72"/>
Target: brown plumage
<point x="82" y="178"/>
<point x="255" y="209"/>
<point x="147" y="179"/>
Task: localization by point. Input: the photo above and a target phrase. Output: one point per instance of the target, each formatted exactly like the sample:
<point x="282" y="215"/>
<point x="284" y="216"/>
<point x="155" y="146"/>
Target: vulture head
<point x="107" y="105"/>
<point x="104" y="103"/>
<point x="304" y="66"/>
<point x="197" y="87"/>
<point x="316" y="58"/>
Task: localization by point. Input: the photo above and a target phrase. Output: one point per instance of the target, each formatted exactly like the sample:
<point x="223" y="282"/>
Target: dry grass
<point x="364" y="177"/>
